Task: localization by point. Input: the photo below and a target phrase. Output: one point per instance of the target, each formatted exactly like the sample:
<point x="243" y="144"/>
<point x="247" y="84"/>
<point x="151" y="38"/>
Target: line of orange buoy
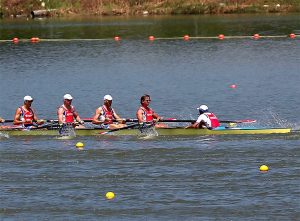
<point x="152" y="38"/>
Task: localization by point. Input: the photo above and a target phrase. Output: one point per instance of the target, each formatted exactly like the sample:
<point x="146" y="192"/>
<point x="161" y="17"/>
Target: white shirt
<point x="204" y="118"/>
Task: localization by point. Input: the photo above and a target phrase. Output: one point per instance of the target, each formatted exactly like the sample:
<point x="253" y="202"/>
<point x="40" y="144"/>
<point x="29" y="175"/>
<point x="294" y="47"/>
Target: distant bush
<point x="117" y="7"/>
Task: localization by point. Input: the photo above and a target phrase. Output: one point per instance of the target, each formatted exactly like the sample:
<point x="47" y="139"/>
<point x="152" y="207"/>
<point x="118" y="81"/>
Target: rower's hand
<point x="27" y="121"/>
<point x="123" y="121"/>
<point x="142" y="125"/>
<point x="81" y="122"/>
<point x="61" y="125"/>
<point x="157" y="119"/>
<point x="40" y="122"/>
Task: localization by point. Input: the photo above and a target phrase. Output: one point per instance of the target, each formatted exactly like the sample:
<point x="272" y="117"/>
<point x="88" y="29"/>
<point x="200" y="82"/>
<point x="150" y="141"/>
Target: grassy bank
<point x="16" y="8"/>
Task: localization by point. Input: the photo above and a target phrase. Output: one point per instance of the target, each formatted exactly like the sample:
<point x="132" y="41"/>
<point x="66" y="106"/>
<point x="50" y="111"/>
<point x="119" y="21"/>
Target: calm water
<point x="178" y="178"/>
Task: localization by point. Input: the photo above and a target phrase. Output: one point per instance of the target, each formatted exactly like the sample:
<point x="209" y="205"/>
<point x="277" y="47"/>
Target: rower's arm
<point x="196" y="123"/>
<point x="156" y="116"/>
<point x="118" y="118"/>
<point x="17" y="120"/>
<point x="139" y="115"/>
<point x="98" y="113"/>
<point x="35" y="119"/>
<point x="77" y="117"/>
<point x="60" y="114"/>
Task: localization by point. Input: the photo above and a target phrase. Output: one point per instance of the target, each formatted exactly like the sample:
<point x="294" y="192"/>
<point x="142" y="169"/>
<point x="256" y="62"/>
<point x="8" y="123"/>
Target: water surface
<point x="163" y="178"/>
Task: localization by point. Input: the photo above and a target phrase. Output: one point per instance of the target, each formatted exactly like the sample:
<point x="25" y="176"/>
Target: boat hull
<point x="159" y="131"/>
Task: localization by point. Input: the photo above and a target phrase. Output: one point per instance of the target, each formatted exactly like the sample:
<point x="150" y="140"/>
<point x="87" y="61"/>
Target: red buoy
<point x="151" y="38"/>
<point x="34" y="39"/>
<point x="292" y="35"/>
<point x="15" y="40"/>
<point x="221" y="36"/>
<point x="186" y="37"/>
<point x="256" y="36"/>
<point x="233" y="86"/>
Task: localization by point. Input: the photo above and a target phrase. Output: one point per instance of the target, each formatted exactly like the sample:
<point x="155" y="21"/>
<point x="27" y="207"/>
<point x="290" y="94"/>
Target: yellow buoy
<point x="232" y="125"/>
<point x="110" y="195"/>
<point x="79" y="145"/>
<point x="264" y="168"/>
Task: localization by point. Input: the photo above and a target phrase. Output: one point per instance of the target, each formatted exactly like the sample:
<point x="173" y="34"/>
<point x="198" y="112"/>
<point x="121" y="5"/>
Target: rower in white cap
<point x="25" y="115"/>
<point x="67" y="113"/>
<point x="206" y="119"/>
<point x="106" y="115"/>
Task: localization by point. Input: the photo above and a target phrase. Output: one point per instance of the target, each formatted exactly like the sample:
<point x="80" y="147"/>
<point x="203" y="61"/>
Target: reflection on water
<point x="158" y="26"/>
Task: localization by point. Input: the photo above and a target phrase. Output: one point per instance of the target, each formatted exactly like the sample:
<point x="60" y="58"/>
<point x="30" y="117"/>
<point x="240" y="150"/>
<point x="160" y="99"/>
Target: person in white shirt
<point x="206" y="119"/>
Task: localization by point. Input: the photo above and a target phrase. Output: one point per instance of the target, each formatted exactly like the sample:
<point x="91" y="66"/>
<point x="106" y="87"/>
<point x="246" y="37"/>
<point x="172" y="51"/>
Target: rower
<point x="67" y="113"/>
<point x="25" y="115"/>
<point x="206" y="119"/>
<point x="106" y="115"/>
<point x="147" y="116"/>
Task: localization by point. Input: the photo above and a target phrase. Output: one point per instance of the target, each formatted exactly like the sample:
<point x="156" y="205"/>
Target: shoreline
<point x="46" y="8"/>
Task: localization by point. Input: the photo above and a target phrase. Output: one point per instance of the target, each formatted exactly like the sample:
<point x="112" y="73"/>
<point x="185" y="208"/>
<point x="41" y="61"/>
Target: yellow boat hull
<point x="159" y="131"/>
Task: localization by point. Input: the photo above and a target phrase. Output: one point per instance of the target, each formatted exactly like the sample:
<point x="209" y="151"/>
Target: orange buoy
<point x="186" y="37"/>
<point x="221" y="36"/>
<point x="15" y="40"/>
<point x="117" y="38"/>
<point x="256" y="36"/>
<point x="233" y="86"/>
<point x="292" y="35"/>
<point x="151" y="38"/>
<point x="34" y="39"/>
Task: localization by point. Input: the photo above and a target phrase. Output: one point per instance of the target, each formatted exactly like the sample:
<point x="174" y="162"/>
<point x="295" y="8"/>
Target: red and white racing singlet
<point x="147" y="114"/>
<point x="108" y="114"/>
<point x="27" y="115"/>
<point x="68" y="114"/>
<point x="213" y="119"/>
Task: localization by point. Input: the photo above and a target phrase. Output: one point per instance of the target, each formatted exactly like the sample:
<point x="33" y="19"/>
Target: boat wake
<point x="66" y="132"/>
<point x="148" y="133"/>
<point x="272" y="119"/>
<point x="2" y="135"/>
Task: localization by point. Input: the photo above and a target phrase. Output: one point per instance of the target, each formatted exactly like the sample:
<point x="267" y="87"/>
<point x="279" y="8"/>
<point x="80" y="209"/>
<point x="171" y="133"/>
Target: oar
<point x="122" y="128"/>
<point x="238" y="121"/>
<point x="33" y="128"/>
<point x="47" y="126"/>
<point x="192" y="121"/>
<point x="7" y="121"/>
<point x="11" y="121"/>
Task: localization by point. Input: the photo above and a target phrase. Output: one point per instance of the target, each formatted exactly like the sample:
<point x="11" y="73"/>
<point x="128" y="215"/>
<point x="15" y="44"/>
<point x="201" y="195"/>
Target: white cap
<point x="28" y="98"/>
<point x="203" y="108"/>
<point x="68" y="97"/>
<point x="107" y="97"/>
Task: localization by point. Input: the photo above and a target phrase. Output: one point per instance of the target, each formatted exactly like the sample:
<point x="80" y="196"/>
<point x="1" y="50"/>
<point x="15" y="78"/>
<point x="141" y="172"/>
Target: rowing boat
<point x="179" y="131"/>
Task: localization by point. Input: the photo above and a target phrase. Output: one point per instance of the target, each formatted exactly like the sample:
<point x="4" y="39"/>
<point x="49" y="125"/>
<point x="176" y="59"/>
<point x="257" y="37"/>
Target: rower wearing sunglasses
<point x="146" y="115"/>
